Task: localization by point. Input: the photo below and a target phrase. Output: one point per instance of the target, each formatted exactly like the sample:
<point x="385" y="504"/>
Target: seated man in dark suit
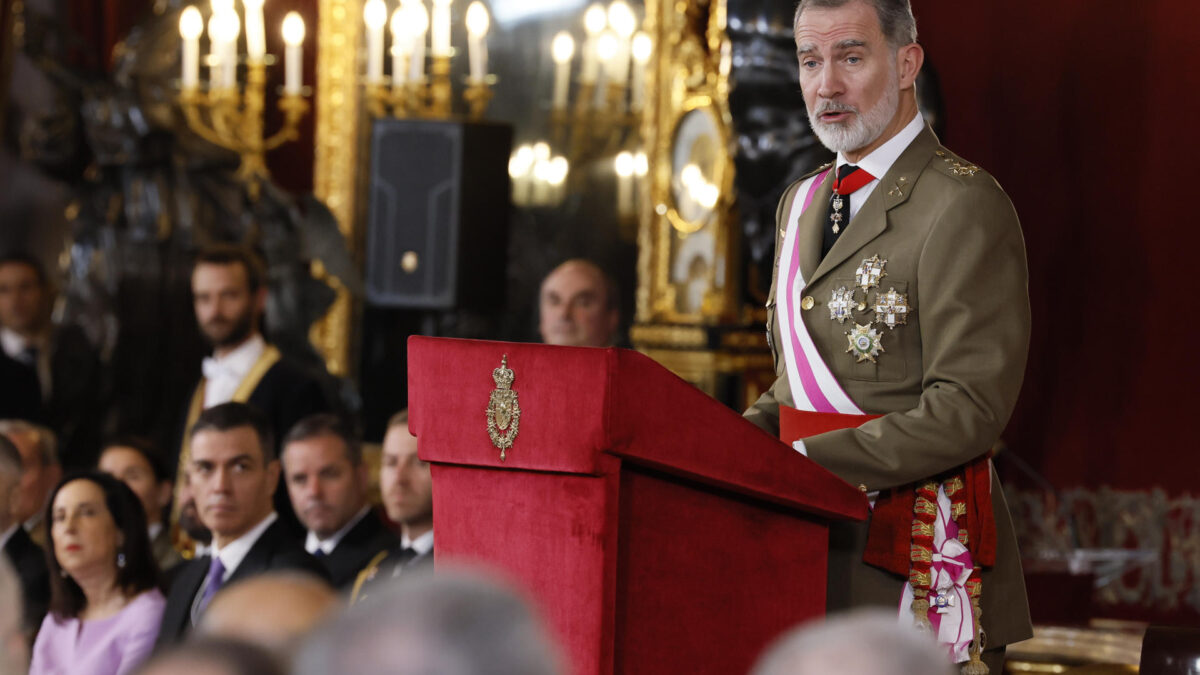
<point x="327" y="481"/>
<point x="233" y="473"/>
<point x="406" y="485"/>
<point x="26" y="557"/>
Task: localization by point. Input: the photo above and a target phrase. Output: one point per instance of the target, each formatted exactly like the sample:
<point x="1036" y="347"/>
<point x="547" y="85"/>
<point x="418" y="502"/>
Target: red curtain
<point x="1085" y="113"/>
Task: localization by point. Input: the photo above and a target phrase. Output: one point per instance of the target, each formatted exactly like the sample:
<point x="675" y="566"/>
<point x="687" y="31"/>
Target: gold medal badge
<point x="891" y="308"/>
<point x="865" y="343"/>
<point x="841" y="304"/>
<point x="503" y="411"/>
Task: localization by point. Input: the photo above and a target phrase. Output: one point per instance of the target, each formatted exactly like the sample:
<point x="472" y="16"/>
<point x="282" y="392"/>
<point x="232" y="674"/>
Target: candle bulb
<point x="594" y="22"/>
<point x="256" y="39"/>
<point x="223" y="30"/>
<point x="400" y="48"/>
<point x="375" y="16"/>
<point x="643" y="46"/>
<point x="606" y="51"/>
<point x="418" y="24"/>
<point x="623" y="23"/>
<point x="562" y="49"/>
<point x="624" y="166"/>
<point x="477" y="27"/>
<point x="216" y="50"/>
<point x="191" y="25"/>
<point x="441" y="28"/>
<point x="293" y="38"/>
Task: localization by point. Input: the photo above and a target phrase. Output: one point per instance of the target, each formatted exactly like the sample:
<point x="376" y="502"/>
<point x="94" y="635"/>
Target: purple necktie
<point x="212" y="583"/>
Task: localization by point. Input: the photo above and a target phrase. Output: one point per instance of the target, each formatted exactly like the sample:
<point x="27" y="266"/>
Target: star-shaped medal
<point x="865" y="343"/>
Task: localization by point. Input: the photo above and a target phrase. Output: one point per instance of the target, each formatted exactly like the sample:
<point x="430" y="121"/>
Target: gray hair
<point x="451" y="624"/>
<point x="47" y="442"/>
<point x="862" y="642"/>
<point x="895" y="18"/>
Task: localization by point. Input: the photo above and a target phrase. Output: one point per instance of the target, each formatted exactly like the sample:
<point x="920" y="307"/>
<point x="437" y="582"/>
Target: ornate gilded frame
<point x="339" y="124"/>
<point x="690" y="72"/>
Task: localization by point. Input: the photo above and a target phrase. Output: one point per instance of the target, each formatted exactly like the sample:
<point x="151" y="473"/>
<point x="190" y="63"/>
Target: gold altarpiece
<point x="690" y="313"/>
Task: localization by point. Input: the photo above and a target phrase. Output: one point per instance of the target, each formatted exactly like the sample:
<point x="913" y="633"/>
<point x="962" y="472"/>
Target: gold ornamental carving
<point x="503" y="410"/>
<point x="687" y="264"/>
<point x="335" y="164"/>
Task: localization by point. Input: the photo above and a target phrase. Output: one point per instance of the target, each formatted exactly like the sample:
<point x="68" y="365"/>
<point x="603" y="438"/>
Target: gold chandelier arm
<point x="294" y="108"/>
<point x="195" y="121"/>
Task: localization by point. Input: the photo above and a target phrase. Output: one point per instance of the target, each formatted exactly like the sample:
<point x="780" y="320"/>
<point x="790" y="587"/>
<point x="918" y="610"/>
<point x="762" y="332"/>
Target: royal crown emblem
<point x="503" y="411"/>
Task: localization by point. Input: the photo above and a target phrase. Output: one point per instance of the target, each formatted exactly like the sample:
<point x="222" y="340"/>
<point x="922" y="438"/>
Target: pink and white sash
<point x="814" y="388"/>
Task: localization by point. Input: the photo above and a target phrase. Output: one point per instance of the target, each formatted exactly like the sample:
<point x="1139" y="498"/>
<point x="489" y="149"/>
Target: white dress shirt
<point x="233" y="553"/>
<point x="422" y="544"/>
<point x="880" y="161"/>
<point x="312" y="544"/>
<point x="14" y="346"/>
<point x="223" y="375"/>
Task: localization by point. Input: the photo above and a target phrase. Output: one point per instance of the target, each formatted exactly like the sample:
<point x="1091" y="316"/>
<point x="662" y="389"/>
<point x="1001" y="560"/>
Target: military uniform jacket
<point x="946" y="381"/>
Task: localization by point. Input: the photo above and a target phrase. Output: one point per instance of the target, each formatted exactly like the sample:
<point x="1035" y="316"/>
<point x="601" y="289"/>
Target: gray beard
<point x="863" y="128"/>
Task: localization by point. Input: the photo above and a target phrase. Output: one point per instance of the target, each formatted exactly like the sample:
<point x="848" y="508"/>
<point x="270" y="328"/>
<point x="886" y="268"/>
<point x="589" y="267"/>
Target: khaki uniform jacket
<point x="946" y="381"/>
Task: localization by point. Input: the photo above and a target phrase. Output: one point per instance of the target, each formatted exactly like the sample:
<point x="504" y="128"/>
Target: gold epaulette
<point x="816" y="171"/>
<point x="954" y="165"/>
<point x="367" y="574"/>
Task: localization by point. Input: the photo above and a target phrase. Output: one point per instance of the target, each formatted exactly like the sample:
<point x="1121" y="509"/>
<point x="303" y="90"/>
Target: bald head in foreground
<point x="454" y="623"/>
<point x="864" y="642"/>
<point x="274" y="610"/>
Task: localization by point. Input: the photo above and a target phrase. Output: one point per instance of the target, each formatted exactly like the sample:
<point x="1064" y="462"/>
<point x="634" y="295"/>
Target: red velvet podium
<point x="657" y="530"/>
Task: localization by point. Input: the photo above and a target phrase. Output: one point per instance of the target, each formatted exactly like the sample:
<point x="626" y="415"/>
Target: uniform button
<point x="807" y="303"/>
<point x="862" y="488"/>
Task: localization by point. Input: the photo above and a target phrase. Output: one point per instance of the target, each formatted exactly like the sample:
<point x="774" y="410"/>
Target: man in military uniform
<point x="900" y="291"/>
<point x="406" y="485"/>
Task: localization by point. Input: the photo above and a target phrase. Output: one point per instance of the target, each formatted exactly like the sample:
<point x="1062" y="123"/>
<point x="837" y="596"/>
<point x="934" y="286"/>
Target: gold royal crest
<point x="503" y="411"/>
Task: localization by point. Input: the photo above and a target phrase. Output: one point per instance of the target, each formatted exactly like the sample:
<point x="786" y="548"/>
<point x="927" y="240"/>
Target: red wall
<point x="1085" y="113"/>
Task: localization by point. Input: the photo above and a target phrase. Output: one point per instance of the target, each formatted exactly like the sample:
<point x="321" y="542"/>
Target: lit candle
<point x="623" y="23"/>
<point x="418" y="24"/>
<point x="606" y="51"/>
<point x="228" y="27"/>
<point x="643" y="46"/>
<point x="441" y="28"/>
<point x="216" y="50"/>
<point x="624" y="166"/>
<point x="293" y="38"/>
<point x="375" y="16"/>
<point x="519" y="167"/>
<point x="191" y="25"/>
<point x="256" y="38"/>
<point x="562" y="49"/>
<point x="477" y="28"/>
<point x="594" y="22"/>
<point x="400" y="48"/>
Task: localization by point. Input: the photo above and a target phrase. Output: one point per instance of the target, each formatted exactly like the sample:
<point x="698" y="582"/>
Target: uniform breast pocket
<point x="878" y="337"/>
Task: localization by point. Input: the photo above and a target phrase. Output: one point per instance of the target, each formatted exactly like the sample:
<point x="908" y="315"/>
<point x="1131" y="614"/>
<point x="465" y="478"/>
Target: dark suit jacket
<point x="287" y="393"/>
<point x="30" y="563"/>
<point x="355" y="550"/>
<point x="384" y="567"/>
<point x="73" y="410"/>
<point x="275" y="549"/>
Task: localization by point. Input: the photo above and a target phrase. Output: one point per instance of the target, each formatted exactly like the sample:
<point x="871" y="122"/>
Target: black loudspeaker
<point x="437" y="228"/>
